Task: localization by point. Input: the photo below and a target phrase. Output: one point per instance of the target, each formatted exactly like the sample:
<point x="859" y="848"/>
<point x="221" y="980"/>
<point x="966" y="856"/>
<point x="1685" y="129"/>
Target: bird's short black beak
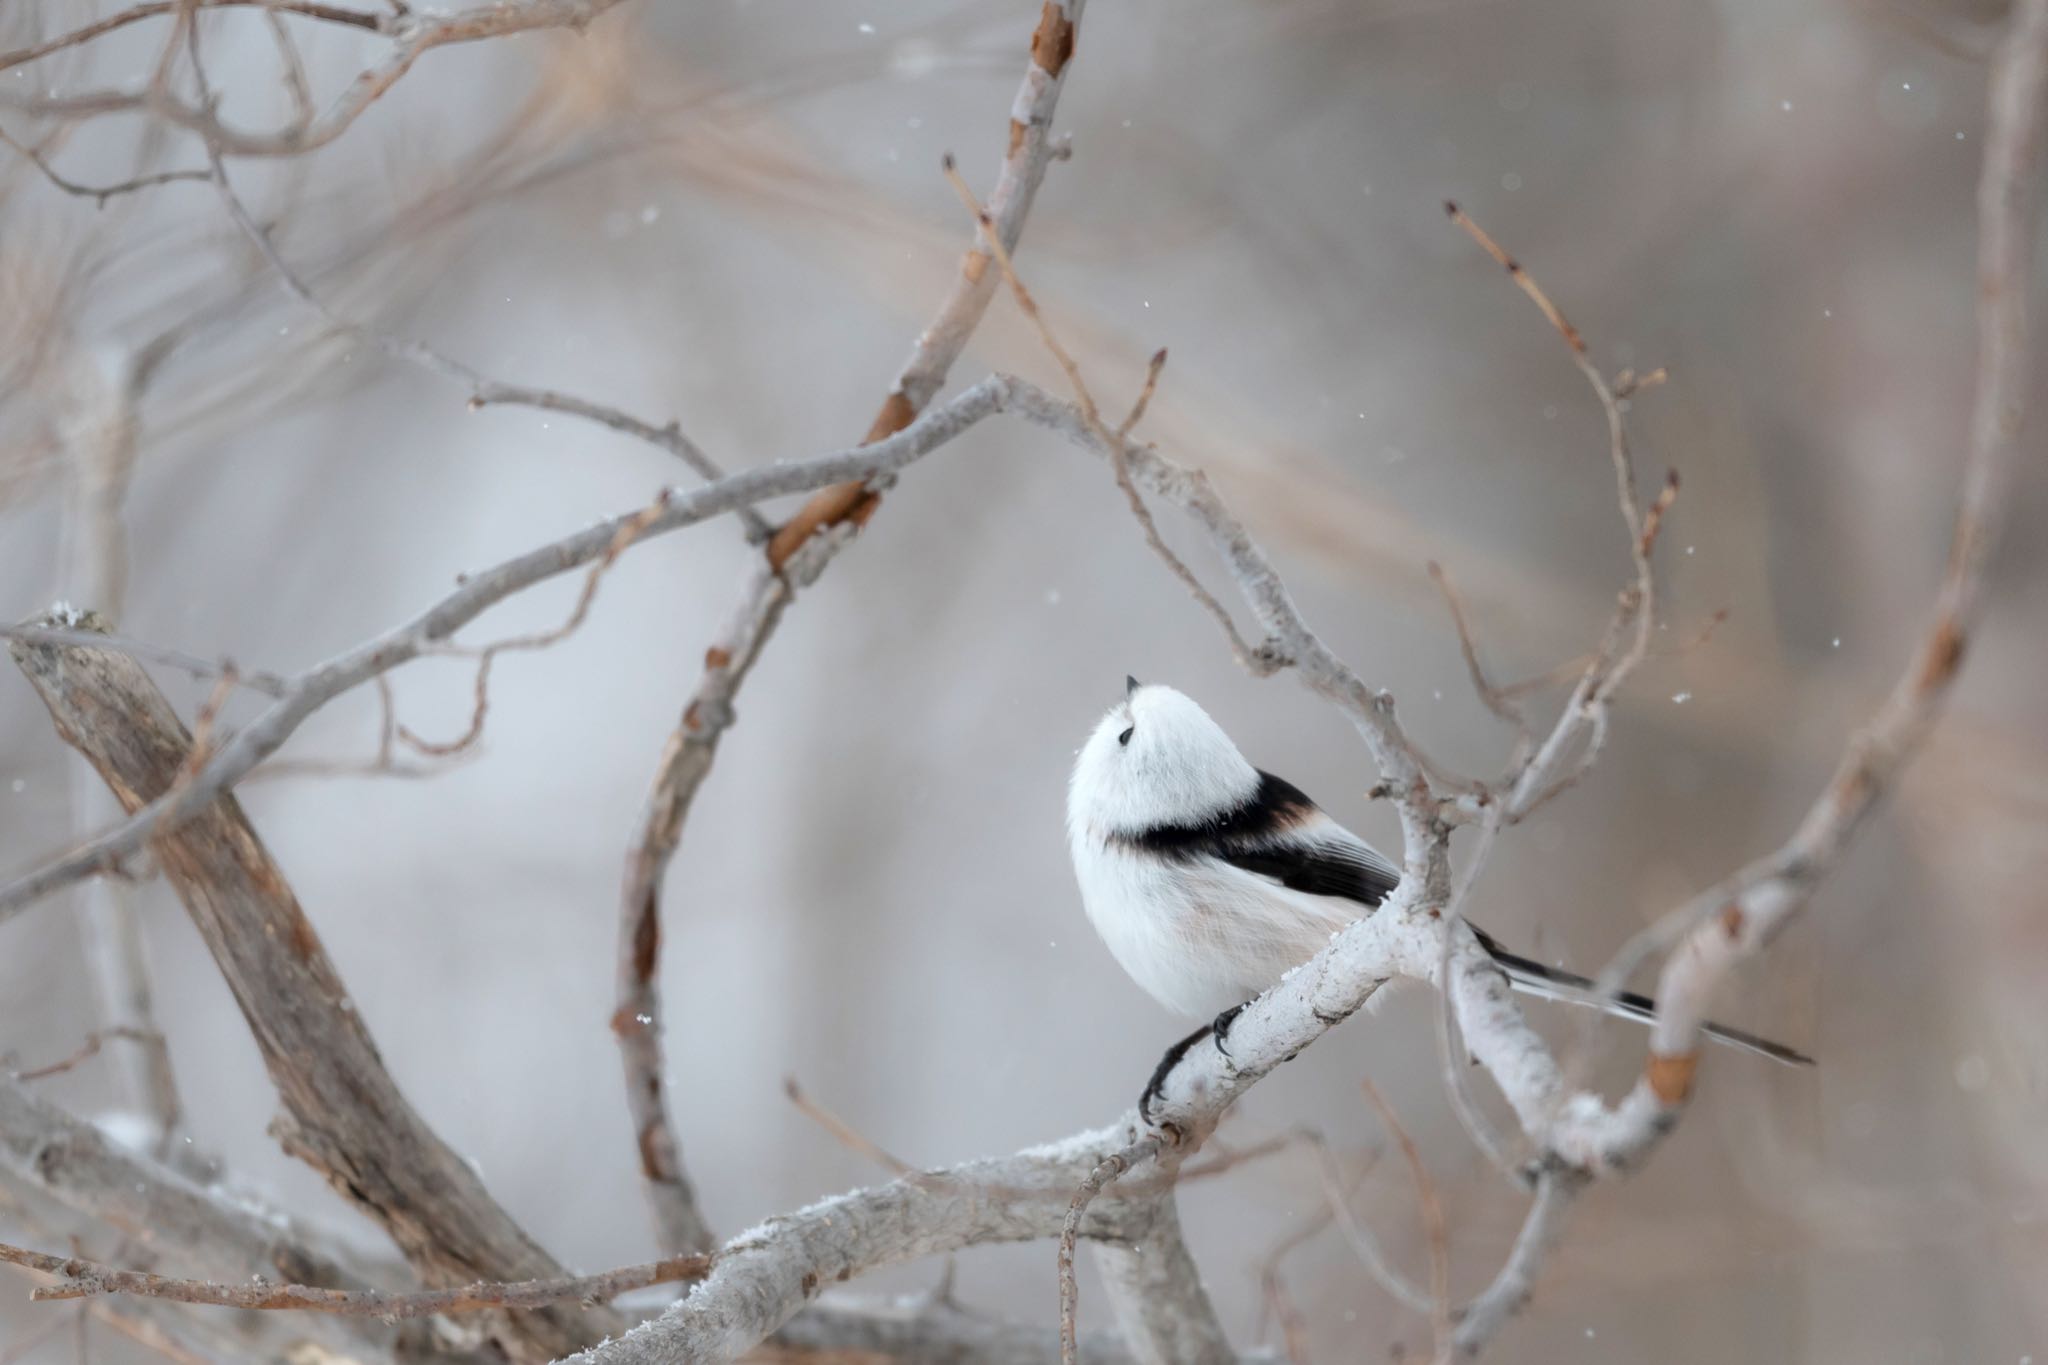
<point x="1131" y="686"/>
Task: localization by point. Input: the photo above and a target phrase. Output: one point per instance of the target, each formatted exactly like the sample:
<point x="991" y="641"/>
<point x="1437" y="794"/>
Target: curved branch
<point x="795" y="556"/>
<point x="1740" y="916"/>
<point x="762" y="1277"/>
<point x="311" y="690"/>
<point x="343" y="1113"/>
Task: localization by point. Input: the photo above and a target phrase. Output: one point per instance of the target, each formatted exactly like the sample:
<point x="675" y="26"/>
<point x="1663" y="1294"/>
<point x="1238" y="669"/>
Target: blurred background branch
<point x="1774" y="203"/>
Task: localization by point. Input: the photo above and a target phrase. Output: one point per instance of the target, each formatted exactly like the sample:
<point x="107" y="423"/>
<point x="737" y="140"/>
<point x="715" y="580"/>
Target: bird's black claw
<point x="1220" y="1029"/>
<point x="1145" y="1100"/>
<point x="1165" y="1069"/>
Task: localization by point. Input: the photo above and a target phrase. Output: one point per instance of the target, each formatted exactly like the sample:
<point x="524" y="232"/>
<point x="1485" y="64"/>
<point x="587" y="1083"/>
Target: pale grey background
<point x="872" y="895"/>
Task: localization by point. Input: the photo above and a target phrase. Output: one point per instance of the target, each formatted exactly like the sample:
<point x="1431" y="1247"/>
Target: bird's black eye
<point x="1125" y="737"/>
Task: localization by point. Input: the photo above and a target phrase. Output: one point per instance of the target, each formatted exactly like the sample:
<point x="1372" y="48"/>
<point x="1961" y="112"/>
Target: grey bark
<point x="344" y="1115"/>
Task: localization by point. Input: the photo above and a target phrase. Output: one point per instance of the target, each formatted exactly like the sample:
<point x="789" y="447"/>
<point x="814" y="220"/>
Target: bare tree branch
<point x="1496" y="699"/>
<point x="636" y="1021"/>
<point x="483" y="391"/>
<point x="1254" y="660"/>
<point x="844" y="1132"/>
<point x="670" y="437"/>
<point x="78" y="1279"/>
<point x="90" y="1048"/>
<point x="1744" y="913"/>
<point x="42" y="1148"/>
<point x="311" y="690"/>
<point x="763" y="1276"/>
<point x="1541" y="775"/>
<point x="346" y="1117"/>
<point x="485" y="655"/>
<point x="1155" y="1291"/>
<point x="795" y="556"/>
<point x="412" y="35"/>
<point x="1481" y="1320"/>
<point x="780" y="1266"/>
<point x="932" y="1329"/>
<point x="1365" y="1246"/>
<point x="1099" y="1178"/>
<point x="941" y="343"/>
<point x="159" y="9"/>
<point x="99" y="194"/>
<point x="1432" y="1218"/>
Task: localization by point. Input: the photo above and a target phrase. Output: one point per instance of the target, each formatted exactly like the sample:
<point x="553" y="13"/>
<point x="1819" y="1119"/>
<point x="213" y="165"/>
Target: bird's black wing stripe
<point x="1277" y="805"/>
<point x="1321" y="869"/>
<point x="1252" y="835"/>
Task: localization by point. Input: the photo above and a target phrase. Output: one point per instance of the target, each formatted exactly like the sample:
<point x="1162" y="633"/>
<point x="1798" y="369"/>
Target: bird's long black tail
<point x="1554" y="983"/>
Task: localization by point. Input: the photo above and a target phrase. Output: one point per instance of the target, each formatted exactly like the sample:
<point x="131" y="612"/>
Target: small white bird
<point x="1209" y="879"/>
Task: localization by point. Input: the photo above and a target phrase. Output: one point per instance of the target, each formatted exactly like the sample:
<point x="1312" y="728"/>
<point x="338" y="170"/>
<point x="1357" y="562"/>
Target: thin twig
<point x="848" y="1136"/>
<point x="1100" y="1178"/>
<point x="1482" y="1318"/>
<point x="1030" y="152"/>
<point x="1500" y="702"/>
<point x="78" y="37"/>
<point x="412" y="37"/>
<point x="1144" y="400"/>
<point x="628" y="532"/>
<point x="1119" y="462"/>
<point x="90" y="1048"/>
<point x="1364" y="1245"/>
<point x="1432" y="1217"/>
<point x="99" y="194"/>
<point x="795" y="555"/>
<point x="482" y="391"/>
<point x="1737" y="917"/>
<point x="311" y="690"/>
<point x="669" y="436"/>
<point x="1273" y="1296"/>
<point x="294" y="70"/>
<point x="1540" y="776"/>
<point x="78" y="1278"/>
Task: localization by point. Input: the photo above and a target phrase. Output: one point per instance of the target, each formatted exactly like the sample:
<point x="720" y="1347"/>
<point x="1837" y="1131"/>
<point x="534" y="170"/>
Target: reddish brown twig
<point x="1100" y="1178"/>
<point x="90" y="1048"/>
<point x="1498" y="700"/>
<point x="849" y="1136"/>
<point x="1432" y="1218"/>
<point x="1541" y="773"/>
<point x="1144" y="400"/>
<point x="692" y="747"/>
<point x="1112" y="442"/>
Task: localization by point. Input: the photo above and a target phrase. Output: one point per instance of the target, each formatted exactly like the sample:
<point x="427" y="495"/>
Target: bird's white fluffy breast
<point x="1199" y="935"/>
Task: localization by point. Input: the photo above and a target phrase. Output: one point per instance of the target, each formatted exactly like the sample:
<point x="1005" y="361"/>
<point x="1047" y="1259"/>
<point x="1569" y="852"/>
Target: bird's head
<point x="1155" y="759"/>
